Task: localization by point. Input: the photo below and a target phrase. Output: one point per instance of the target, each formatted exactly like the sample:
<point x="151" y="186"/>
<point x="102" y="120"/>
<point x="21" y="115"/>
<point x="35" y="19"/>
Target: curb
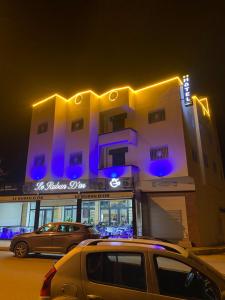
<point x="4" y="248"/>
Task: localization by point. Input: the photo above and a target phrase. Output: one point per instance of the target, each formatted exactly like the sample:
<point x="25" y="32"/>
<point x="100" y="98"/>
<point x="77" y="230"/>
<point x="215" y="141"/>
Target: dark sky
<point x="66" y="46"/>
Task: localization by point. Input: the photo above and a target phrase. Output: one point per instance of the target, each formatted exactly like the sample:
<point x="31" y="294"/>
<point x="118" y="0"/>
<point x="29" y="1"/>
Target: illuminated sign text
<point x="187" y="92"/>
<point x="114" y="182"/>
<point x="54" y="186"/>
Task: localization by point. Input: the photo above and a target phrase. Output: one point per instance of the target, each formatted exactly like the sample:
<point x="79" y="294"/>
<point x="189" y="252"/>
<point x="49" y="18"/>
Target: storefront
<point x="111" y="211"/>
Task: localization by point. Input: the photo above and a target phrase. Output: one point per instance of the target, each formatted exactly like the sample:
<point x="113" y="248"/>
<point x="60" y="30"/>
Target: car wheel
<point x="70" y="248"/>
<point x="21" y="249"/>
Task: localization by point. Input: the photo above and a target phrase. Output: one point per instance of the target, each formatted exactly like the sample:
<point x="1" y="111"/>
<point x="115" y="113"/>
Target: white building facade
<point x="130" y="162"/>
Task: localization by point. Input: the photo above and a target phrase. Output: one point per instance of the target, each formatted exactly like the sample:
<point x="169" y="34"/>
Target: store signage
<point x="115" y="182"/>
<point x="59" y="186"/>
<point x="187" y="92"/>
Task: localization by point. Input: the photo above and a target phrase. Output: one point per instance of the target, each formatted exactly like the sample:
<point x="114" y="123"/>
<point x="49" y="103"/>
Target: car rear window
<point x="120" y="269"/>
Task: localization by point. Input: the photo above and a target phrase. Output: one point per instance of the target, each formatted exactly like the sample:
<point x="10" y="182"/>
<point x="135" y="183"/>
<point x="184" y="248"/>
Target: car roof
<point x="160" y="245"/>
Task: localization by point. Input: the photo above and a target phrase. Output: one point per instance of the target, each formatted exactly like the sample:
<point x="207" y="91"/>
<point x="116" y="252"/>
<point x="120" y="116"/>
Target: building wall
<point x="41" y="143"/>
<point x="168" y="132"/>
<point x="58" y="141"/>
<point x="201" y="138"/>
<point x="193" y="166"/>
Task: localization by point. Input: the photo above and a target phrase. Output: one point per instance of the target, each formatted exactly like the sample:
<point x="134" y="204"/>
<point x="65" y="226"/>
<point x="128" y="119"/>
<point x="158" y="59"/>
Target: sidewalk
<point x="4" y="246"/>
<point x="207" y="250"/>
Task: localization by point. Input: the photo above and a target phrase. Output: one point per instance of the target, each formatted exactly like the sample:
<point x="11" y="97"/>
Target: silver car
<point x="58" y="237"/>
<point x="131" y="269"/>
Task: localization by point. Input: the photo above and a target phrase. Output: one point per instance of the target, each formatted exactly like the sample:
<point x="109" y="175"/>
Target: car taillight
<point x="46" y="287"/>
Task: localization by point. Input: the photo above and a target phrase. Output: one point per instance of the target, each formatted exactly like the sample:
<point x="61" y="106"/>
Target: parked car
<point x="116" y="269"/>
<point x="58" y="237"/>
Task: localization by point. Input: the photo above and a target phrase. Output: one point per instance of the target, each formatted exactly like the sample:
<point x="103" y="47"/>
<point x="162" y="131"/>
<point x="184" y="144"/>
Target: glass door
<point x="46" y="216"/>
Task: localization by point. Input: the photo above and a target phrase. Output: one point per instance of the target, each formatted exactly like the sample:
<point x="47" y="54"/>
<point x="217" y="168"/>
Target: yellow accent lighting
<point x="117" y="89"/>
<point x="48" y="98"/>
<point x="203" y="102"/>
<point x="160" y="83"/>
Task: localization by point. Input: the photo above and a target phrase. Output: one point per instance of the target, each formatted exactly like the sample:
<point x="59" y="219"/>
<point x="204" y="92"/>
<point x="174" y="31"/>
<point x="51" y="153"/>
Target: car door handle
<point x="94" y="297"/>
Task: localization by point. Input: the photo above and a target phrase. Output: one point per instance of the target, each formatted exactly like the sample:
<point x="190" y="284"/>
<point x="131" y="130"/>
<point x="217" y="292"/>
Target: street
<point x="21" y="279"/>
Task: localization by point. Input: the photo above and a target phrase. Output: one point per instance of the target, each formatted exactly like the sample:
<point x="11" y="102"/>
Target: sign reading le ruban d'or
<point x="59" y="186"/>
<point x="187" y="91"/>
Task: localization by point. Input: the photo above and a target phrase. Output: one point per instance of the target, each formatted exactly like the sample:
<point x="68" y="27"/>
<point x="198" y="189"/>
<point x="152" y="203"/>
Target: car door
<point x="42" y="241"/>
<point x="115" y="275"/>
<point x="65" y="236"/>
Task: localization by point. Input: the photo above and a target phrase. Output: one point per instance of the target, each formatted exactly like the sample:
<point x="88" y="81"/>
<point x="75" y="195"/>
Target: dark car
<point x="58" y="237"/>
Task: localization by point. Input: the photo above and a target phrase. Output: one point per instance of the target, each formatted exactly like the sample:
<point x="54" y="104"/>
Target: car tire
<point x="70" y="248"/>
<point x="21" y="249"/>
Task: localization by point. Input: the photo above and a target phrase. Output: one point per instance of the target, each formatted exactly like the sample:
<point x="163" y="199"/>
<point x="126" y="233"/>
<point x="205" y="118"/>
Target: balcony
<point x="118" y="171"/>
<point x="125" y="136"/>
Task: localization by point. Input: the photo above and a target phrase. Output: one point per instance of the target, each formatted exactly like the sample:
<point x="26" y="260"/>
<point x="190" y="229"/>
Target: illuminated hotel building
<point x="131" y="162"/>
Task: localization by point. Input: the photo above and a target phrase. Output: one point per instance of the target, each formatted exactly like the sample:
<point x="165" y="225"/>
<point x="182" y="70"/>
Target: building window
<point x="206" y="162"/>
<point x="118" y="122"/>
<point x="159" y="153"/>
<point x="43" y="127"/>
<point x="156" y="116"/>
<point x="118" y="156"/>
<point x="214" y="167"/>
<point x="76" y="159"/>
<point x="77" y="125"/>
<point x="39" y="160"/>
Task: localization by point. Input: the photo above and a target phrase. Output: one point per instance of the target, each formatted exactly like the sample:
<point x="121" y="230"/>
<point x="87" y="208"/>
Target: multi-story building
<point x="143" y="162"/>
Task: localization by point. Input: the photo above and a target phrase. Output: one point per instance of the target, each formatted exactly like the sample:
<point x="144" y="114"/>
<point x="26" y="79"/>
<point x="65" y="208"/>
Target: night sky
<point x="66" y="46"/>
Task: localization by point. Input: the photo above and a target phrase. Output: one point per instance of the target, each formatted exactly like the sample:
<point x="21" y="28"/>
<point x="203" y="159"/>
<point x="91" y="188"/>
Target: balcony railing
<point x="127" y="136"/>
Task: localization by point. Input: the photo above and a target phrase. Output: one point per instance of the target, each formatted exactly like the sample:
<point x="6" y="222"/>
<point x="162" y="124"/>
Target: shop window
<point x="76" y="159"/>
<point x="39" y="160"/>
<point x="77" y="125"/>
<point x="42" y="128"/>
<point x="159" y="153"/>
<point x="179" y="280"/>
<point x="123" y="269"/>
<point x="118" y="156"/>
<point x="156" y="116"/>
<point x="118" y="122"/>
<point x="110" y="217"/>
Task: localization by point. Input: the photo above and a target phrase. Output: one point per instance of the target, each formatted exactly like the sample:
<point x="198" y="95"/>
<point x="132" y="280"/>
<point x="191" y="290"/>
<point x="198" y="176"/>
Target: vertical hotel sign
<point x="187" y="92"/>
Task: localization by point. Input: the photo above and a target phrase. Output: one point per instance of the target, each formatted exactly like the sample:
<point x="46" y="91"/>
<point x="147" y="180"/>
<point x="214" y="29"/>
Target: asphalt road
<point x="21" y="279"/>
